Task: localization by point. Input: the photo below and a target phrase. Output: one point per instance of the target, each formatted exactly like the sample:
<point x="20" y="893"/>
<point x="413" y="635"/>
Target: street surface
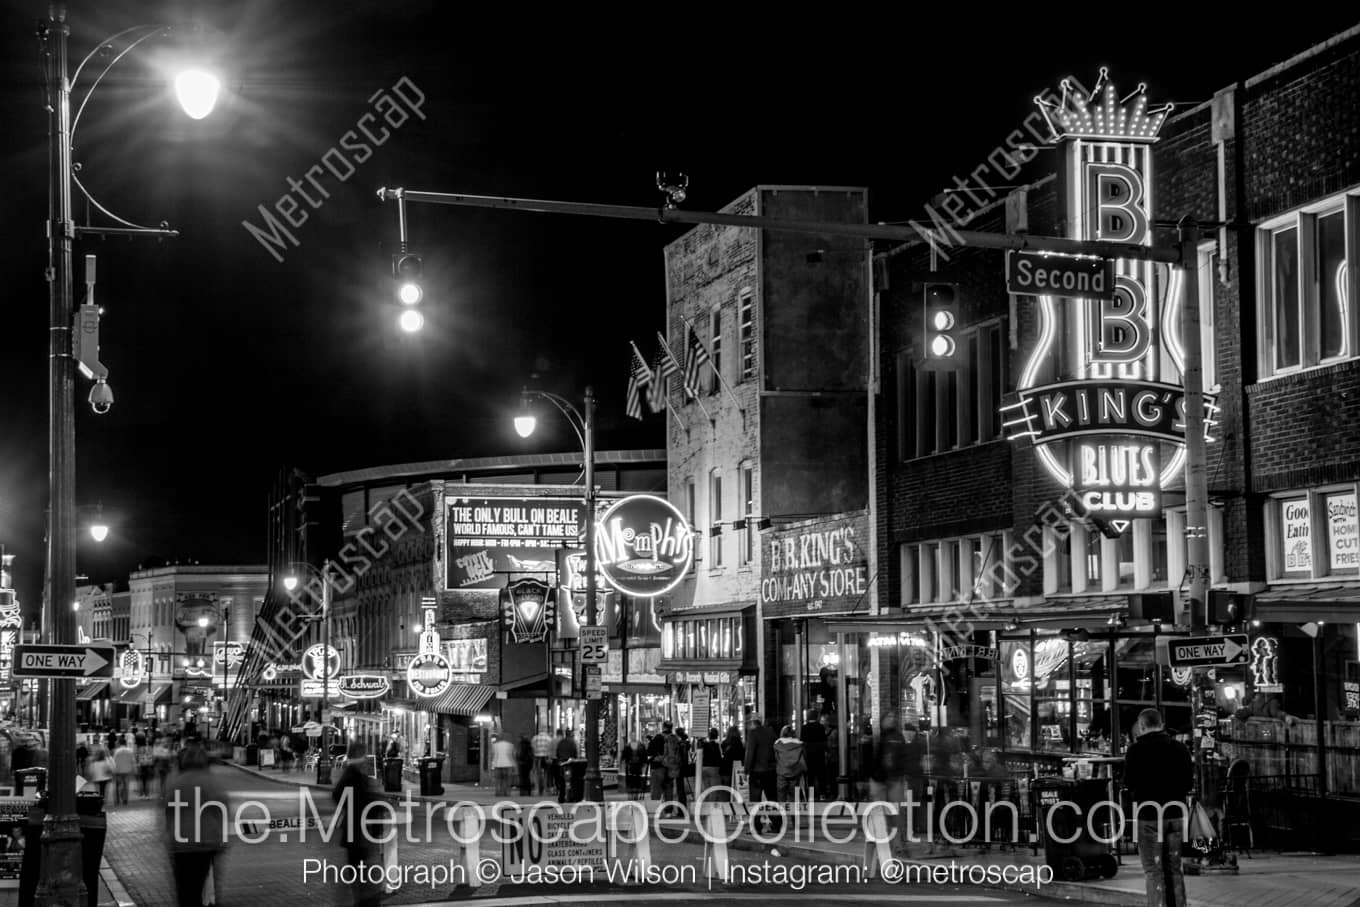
<point x="284" y="870"/>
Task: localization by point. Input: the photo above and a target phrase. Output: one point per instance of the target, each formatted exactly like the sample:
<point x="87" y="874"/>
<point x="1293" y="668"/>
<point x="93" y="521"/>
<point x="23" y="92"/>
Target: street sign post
<point x="1032" y="274"/>
<point x="594" y="687"/>
<point x="1209" y="651"/>
<point x="594" y="645"/>
<point x="63" y="661"/>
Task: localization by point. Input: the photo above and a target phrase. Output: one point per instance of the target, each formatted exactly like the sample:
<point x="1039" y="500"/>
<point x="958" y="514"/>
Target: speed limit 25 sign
<point x="594" y="645"/>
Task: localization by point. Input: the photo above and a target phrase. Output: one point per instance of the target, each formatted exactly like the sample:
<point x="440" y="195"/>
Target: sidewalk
<point x="111" y="891"/>
<point x="1265" y="880"/>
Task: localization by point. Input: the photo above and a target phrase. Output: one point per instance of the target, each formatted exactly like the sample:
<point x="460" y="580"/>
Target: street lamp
<point x="290" y="583"/>
<point x="62" y="881"/>
<point x="584" y="426"/>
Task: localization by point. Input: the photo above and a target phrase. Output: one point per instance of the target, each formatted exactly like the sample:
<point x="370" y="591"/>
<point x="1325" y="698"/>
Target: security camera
<point x="101" y="397"/>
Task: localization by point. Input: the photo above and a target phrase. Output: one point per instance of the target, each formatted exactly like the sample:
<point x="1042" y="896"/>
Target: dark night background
<point x="227" y="364"/>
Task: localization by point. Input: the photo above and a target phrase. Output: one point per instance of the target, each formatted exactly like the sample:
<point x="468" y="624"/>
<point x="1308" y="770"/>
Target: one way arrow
<point x="93" y="662"/>
<point x="1230" y="650"/>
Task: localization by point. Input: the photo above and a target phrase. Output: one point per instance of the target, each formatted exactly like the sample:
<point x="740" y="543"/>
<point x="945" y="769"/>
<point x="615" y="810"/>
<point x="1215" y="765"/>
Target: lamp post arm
<point x="574" y="418"/>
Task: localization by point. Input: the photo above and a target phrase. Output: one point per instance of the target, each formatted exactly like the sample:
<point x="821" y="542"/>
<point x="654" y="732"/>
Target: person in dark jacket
<point x="759" y="764"/>
<point x="814" y="740"/>
<point x="524" y="756"/>
<point x="1159" y="772"/>
<point x="358" y="838"/>
<point x="730" y="753"/>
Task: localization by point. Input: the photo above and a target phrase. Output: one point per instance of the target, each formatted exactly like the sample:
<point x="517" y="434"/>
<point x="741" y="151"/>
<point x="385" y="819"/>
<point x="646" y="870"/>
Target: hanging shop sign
<point x="229" y="653"/>
<point x="1265" y="665"/>
<point x="1350" y="695"/>
<point x="818" y="565"/>
<point x="429" y="673"/>
<point x="1115" y="432"/>
<point x="1343" y="533"/>
<point x="319" y="689"/>
<point x="131" y="668"/>
<point x="643" y="546"/>
<point x="490" y="538"/>
<point x="364" y="686"/>
<point x="528" y="610"/>
<point x="314" y="662"/>
<point x="9" y="638"/>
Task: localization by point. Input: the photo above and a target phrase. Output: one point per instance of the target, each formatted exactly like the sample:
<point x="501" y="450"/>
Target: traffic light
<point x="942" y="324"/>
<point x="406" y="270"/>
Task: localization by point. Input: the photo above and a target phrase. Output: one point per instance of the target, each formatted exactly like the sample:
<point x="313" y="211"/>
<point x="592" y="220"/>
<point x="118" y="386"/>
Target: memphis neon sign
<point x="1101" y="397"/>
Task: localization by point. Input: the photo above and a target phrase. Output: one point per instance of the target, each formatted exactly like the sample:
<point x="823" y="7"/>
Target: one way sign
<point x="1208" y="651"/>
<point x="63" y="661"/>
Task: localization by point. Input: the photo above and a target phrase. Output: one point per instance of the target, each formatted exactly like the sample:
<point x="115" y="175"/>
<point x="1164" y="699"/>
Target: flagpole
<point x="666" y="348"/>
<point x="722" y="382"/>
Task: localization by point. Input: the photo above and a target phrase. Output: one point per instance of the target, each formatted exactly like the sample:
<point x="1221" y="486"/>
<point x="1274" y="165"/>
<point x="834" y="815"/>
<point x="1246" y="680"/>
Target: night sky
<point x="227" y="364"/>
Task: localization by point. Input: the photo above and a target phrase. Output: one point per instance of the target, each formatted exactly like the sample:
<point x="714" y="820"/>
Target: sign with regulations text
<point x="1032" y="273"/>
<point x="1209" y="651"/>
<point x="540" y="839"/>
<point x="594" y="645"/>
<point x="594" y="682"/>
<point x="63" y="661"/>
<point x="490" y="538"/>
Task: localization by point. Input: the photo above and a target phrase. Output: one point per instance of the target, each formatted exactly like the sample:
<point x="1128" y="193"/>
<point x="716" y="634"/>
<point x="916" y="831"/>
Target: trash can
<point x="392" y="776"/>
<point x="431" y="767"/>
<point x="575" y="787"/>
<point x="253" y="754"/>
<point x="30" y="781"/>
<point x="1063" y="813"/>
<point x="93" y="830"/>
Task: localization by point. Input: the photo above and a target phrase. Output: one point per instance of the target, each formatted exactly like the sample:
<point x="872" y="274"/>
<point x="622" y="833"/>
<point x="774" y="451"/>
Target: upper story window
<point x="715" y="331"/>
<point x="945" y="409"/>
<point x="970" y="568"/>
<point x="746" y="336"/>
<point x="1306" y="314"/>
<point x="1313" y="534"/>
<point x="748" y="512"/>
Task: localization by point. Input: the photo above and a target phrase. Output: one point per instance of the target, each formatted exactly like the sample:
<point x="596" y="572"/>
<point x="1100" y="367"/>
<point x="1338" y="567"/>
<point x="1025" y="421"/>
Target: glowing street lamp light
<point x="99" y="532"/>
<point x="290" y="582"/>
<point x="197" y="91"/>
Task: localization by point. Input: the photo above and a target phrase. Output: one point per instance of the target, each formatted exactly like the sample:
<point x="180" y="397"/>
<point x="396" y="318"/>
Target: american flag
<point x="665" y="367"/>
<point x="639" y="376"/>
<point x="696" y="356"/>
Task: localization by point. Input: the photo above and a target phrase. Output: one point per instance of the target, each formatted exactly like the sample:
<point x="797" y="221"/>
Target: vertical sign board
<point x="701" y="714"/>
<point x="13" y="819"/>
<point x="1101" y="397"/>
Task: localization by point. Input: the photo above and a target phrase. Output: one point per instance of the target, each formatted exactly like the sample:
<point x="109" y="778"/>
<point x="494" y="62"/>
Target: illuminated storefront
<point x="709" y="662"/>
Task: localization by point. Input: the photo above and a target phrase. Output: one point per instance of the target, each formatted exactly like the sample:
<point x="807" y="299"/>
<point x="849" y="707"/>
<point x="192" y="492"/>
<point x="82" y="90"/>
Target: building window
<point x="715" y="515"/>
<point x="691" y="502"/>
<point x="947" y="409"/>
<point x="1313" y="534"/>
<point x="1307" y="315"/>
<point x="972" y="568"/>
<point x="715" y="331"/>
<point x="748" y="512"/>
<point x="746" y="321"/>
<point x="1208" y="269"/>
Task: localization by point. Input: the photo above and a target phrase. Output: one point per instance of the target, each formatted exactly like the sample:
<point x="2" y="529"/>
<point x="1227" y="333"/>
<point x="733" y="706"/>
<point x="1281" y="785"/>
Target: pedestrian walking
<point x="891" y="777"/>
<point x="813" y="735"/>
<point x="711" y="776"/>
<point x="124" y="764"/>
<point x="760" y="769"/>
<point x="635" y="766"/>
<point x="196" y="813"/>
<point x="567" y="753"/>
<point x="101" y="770"/>
<point x="684" y="779"/>
<point x="146" y="767"/>
<point x="503" y="763"/>
<point x="162" y="756"/>
<point x="790" y="762"/>
<point x="353" y="793"/>
<point x="543" y="759"/>
<point x="731" y="753"/>
<point x="524" y="756"/>
<point x="1159" y="772"/>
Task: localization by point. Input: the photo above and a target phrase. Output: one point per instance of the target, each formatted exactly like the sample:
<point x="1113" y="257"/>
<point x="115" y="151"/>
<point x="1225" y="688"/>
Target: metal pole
<point x="62" y="879"/>
<point x="1196" y="484"/>
<point x="594" y="787"/>
<point x="226" y="656"/>
<point x="893" y="232"/>
<point x="323" y="761"/>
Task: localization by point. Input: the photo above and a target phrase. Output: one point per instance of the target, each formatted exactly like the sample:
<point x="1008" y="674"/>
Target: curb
<point x="115" y="886"/>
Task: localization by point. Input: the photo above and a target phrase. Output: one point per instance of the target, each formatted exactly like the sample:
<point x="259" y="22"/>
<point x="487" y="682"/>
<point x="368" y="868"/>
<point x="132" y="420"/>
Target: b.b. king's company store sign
<point x="1101" y="397"/>
<point x="818" y="566"/>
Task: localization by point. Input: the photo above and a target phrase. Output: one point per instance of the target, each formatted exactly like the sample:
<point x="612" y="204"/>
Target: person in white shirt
<point x="503" y="763"/>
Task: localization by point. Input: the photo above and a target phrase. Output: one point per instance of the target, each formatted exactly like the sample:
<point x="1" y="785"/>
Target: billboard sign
<point x="489" y="539"/>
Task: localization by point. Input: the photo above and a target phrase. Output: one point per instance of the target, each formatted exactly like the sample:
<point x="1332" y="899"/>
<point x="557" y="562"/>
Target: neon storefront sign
<point x="1101" y="397"/>
<point x="643" y="546"/>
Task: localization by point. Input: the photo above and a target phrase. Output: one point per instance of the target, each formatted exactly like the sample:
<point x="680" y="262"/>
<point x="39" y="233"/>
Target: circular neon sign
<point x="643" y="546"/>
<point x="429" y="674"/>
<point x="314" y="662"/>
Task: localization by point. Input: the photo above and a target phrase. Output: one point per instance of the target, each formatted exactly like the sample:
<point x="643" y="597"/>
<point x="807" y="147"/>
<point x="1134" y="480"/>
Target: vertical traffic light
<point x="406" y="270"/>
<point x="941" y="323"/>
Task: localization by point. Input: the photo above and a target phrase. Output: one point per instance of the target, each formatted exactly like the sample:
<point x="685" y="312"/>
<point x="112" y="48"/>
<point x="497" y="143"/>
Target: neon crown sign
<point x="1100" y="397"/>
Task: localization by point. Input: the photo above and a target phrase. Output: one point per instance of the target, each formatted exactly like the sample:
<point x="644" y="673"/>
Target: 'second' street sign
<point x="1033" y="274"/>
<point x="1209" y="651"/>
<point x="63" y="661"/>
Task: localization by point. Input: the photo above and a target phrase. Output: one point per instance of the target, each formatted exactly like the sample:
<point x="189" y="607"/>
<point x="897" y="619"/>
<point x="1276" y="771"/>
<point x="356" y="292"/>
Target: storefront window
<point x="1016" y="687"/>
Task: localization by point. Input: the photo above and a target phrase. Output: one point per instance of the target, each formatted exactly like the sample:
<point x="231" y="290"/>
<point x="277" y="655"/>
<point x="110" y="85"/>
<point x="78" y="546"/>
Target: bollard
<point x="715" y="843"/>
<point x="639" y="847"/>
<point x="877" y="847"/>
<point x="469" y="842"/>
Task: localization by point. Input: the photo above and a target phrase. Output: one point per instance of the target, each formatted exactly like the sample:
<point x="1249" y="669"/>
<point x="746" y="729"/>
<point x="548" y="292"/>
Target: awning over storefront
<point x="97" y="690"/>
<point x="1337" y="602"/>
<point x="467" y="699"/>
<point x="725" y="609"/>
<point x="1055" y="612"/>
<point x="160" y="694"/>
<point x="130" y="695"/>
